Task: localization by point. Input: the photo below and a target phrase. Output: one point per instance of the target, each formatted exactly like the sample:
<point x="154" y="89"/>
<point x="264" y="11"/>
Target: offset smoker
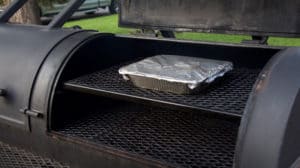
<point x="62" y="97"/>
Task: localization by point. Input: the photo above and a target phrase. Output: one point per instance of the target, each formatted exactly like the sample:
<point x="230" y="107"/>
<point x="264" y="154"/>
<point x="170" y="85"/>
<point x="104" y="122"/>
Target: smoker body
<point x="63" y="99"/>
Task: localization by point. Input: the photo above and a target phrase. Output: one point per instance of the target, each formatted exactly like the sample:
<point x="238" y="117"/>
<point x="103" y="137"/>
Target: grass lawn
<point x="110" y="24"/>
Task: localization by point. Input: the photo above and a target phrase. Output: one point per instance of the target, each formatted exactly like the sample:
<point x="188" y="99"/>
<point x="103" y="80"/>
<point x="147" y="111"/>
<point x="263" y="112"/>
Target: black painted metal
<point x="110" y="131"/>
<point x="227" y="96"/>
<point x="254" y="17"/>
<point x="81" y="49"/>
<point x="67" y="110"/>
<point x="270" y="127"/>
<point x="13" y="7"/>
<point x="65" y="150"/>
<point x="76" y="153"/>
<point x="47" y="78"/>
<point x="173" y="138"/>
<point x="65" y="14"/>
<point x="13" y="157"/>
<point x="28" y="57"/>
<point x="23" y="50"/>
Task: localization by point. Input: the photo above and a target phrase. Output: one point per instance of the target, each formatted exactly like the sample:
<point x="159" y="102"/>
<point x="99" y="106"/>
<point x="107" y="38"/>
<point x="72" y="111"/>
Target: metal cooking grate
<point x="12" y="157"/>
<point x="173" y="138"/>
<point x="228" y="96"/>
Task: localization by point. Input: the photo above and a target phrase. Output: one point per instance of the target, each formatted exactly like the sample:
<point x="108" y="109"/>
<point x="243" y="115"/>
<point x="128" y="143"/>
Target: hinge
<point x="263" y="40"/>
<point x="32" y="113"/>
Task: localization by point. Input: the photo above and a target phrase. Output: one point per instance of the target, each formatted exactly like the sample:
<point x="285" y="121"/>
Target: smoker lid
<point x="255" y="17"/>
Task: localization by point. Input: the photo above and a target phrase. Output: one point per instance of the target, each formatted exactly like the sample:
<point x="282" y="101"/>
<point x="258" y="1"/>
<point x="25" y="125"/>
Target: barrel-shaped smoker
<point x="62" y="96"/>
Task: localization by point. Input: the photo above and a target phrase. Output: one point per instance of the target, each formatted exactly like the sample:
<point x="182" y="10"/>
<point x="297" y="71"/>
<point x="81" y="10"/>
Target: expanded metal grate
<point x="12" y="157"/>
<point x="173" y="138"/>
<point x="227" y="96"/>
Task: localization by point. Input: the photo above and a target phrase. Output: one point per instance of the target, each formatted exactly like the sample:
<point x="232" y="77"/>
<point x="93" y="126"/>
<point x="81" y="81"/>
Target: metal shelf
<point x="171" y="138"/>
<point x="228" y="96"/>
<point x="13" y="157"/>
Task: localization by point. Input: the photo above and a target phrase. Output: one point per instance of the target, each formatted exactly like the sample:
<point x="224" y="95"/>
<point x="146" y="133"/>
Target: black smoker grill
<point x="61" y="96"/>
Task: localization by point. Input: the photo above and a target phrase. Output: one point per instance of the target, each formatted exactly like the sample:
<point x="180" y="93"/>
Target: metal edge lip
<point x="203" y="42"/>
<point x="127" y="97"/>
<point x="109" y="150"/>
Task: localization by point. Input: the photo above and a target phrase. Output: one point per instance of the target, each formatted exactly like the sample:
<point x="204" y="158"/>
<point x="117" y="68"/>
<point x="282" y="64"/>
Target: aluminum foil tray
<point x="176" y="74"/>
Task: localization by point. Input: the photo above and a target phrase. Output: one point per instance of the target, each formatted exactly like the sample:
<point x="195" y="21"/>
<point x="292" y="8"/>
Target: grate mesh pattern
<point x="174" y="138"/>
<point x="227" y="96"/>
<point x="12" y="157"/>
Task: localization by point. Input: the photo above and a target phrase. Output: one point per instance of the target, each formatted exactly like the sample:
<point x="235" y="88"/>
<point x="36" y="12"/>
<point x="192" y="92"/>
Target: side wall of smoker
<point x="35" y="136"/>
<point x="23" y="51"/>
<point x="270" y="131"/>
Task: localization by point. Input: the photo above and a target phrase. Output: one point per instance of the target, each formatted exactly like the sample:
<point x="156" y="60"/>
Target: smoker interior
<point x="172" y="138"/>
<point x="93" y="105"/>
<point x="228" y="96"/>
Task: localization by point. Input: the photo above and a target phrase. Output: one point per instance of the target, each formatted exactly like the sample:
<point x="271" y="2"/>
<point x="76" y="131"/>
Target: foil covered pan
<point x="176" y="74"/>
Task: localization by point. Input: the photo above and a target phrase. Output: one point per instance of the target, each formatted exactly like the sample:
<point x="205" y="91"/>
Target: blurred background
<point x="102" y="15"/>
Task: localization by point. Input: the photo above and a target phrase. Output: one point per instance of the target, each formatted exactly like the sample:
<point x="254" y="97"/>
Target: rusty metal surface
<point x="256" y="17"/>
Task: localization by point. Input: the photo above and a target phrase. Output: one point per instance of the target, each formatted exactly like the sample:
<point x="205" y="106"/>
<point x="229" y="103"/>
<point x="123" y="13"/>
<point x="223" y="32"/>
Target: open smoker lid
<point x="255" y="17"/>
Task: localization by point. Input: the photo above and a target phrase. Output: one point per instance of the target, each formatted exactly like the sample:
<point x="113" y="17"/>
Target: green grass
<point x="110" y="24"/>
<point x="102" y="24"/>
